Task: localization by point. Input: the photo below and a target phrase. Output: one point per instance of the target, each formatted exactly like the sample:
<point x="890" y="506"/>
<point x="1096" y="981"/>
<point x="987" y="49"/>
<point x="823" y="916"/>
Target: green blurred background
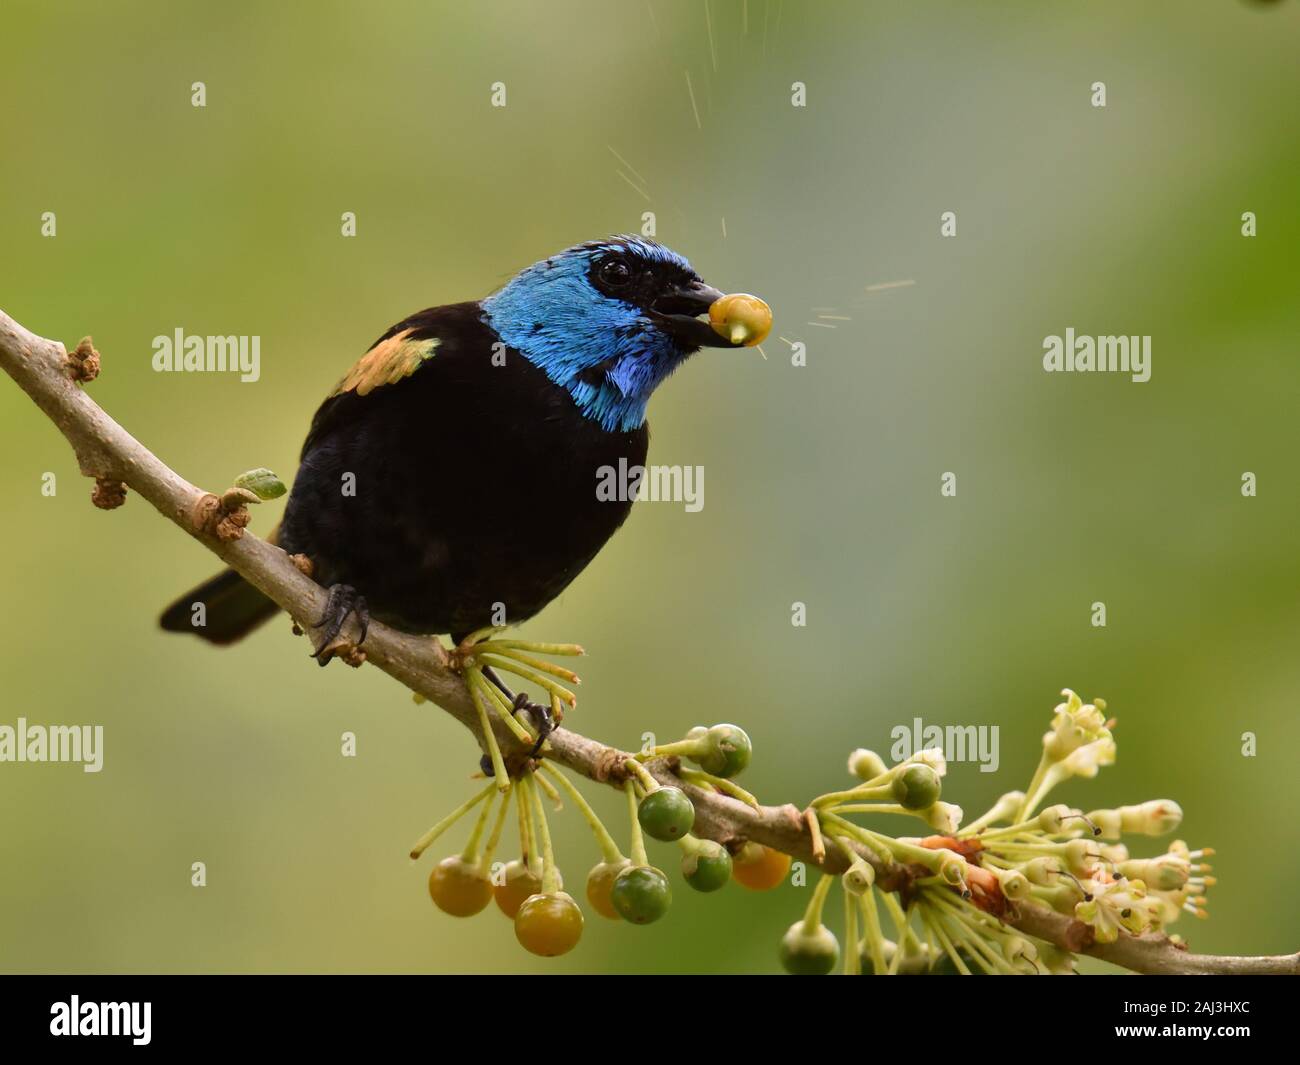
<point x="822" y="482"/>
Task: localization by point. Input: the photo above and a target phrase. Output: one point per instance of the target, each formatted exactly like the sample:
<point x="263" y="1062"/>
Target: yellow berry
<point x="759" y="868"/>
<point x="741" y="318"/>
<point x="600" y="883"/>
<point x="458" y="887"/>
<point x="517" y="883"/>
<point x="549" y="925"/>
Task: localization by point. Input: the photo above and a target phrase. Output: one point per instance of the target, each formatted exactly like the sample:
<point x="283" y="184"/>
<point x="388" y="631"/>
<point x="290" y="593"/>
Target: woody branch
<point x="106" y="452"/>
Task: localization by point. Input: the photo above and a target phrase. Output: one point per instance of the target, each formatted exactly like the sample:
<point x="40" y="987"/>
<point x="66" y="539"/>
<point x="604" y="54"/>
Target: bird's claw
<point x="343" y="601"/>
<point x="543" y="719"/>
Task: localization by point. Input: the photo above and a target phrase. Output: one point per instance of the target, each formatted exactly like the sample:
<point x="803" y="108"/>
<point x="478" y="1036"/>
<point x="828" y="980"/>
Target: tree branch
<point x="108" y="453"/>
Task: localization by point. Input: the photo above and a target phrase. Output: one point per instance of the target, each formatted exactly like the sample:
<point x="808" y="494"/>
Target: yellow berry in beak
<point x="741" y="318"/>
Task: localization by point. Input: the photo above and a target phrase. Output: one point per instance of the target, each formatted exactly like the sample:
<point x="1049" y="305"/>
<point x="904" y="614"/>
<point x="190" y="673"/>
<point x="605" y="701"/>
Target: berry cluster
<point x="529" y="890"/>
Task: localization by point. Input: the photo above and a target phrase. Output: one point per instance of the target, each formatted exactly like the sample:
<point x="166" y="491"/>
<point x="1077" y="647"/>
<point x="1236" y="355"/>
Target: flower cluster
<point x="967" y="881"/>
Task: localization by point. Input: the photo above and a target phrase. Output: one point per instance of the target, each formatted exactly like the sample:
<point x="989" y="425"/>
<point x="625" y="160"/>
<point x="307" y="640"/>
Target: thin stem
<point x="647" y="782"/>
<point x="687" y="748"/>
<point x="639" y="856"/>
<point x="500" y="777"/>
<point x="530" y="660"/>
<point x="495" y="837"/>
<point x="861" y="792"/>
<point x="470" y="853"/>
<point x="852" y="959"/>
<point x="901" y="923"/>
<point x="535" y="863"/>
<point x="550" y="874"/>
<point x="510" y="665"/>
<point x="727" y="787"/>
<point x="1031" y="798"/>
<point x="549" y="788"/>
<point x="871" y="924"/>
<point x="571" y="650"/>
<point x="525" y="828"/>
<point x="944" y="941"/>
<point x="812" y="917"/>
<point x="485" y="692"/>
<point x="608" y="848"/>
<point x="422" y="844"/>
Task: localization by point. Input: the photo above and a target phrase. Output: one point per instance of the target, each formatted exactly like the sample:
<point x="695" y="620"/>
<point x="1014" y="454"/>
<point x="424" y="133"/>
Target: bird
<point x="448" y="483"/>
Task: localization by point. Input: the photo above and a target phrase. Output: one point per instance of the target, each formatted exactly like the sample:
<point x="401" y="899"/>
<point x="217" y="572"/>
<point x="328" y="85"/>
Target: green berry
<point x="666" y="814"/>
<point x="809" y="953"/>
<point x="916" y="963"/>
<point x="945" y="967"/>
<point x="641" y="894"/>
<point x="708" y="867"/>
<point x="888" y="947"/>
<point x="916" y="787"/>
<point x="726" y="752"/>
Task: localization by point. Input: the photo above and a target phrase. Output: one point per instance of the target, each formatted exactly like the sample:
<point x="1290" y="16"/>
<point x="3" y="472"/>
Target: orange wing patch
<point x="387" y="363"/>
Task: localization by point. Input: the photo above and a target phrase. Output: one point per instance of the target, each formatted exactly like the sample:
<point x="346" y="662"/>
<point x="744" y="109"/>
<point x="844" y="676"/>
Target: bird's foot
<point x="343" y="602"/>
<point x="480" y="655"/>
<point x="546" y="719"/>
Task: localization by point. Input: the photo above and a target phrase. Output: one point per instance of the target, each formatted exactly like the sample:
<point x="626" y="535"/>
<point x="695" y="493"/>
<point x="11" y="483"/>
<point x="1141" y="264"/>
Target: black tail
<point x="232" y="609"/>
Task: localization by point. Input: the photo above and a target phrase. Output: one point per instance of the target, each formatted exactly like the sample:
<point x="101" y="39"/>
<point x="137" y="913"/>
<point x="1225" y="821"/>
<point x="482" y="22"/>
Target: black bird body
<point x="475" y="485"/>
<point x="451" y="481"/>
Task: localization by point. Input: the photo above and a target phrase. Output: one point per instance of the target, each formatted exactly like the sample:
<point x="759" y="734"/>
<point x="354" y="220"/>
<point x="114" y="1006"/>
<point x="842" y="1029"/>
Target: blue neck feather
<point x="606" y="353"/>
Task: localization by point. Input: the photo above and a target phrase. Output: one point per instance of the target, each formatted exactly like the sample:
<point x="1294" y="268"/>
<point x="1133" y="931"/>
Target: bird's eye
<point x="616" y="273"/>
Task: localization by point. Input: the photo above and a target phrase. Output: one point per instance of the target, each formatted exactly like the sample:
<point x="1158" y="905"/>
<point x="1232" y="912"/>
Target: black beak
<point x="676" y="313"/>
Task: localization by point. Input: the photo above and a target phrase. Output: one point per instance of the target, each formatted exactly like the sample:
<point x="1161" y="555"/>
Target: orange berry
<point x="458" y="887"/>
<point x="549" y="925"/>
<point x="516" y="885"/>
<point x="600" y="883"/>
<point x="759" y="868"/>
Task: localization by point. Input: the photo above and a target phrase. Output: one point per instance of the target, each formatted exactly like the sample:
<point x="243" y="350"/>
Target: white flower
<point x="1074" y="723"/>
<point x="1109" y="821"/>
<point x="1114" y="907"/>
<point x="1086" y="760"/>
<point x="866" y="765"/>
<point x="943" y="817"/>
<point x="1052" y="818"/>
<point x="1154" y="818"/>
<point x="1083" y="761"/>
